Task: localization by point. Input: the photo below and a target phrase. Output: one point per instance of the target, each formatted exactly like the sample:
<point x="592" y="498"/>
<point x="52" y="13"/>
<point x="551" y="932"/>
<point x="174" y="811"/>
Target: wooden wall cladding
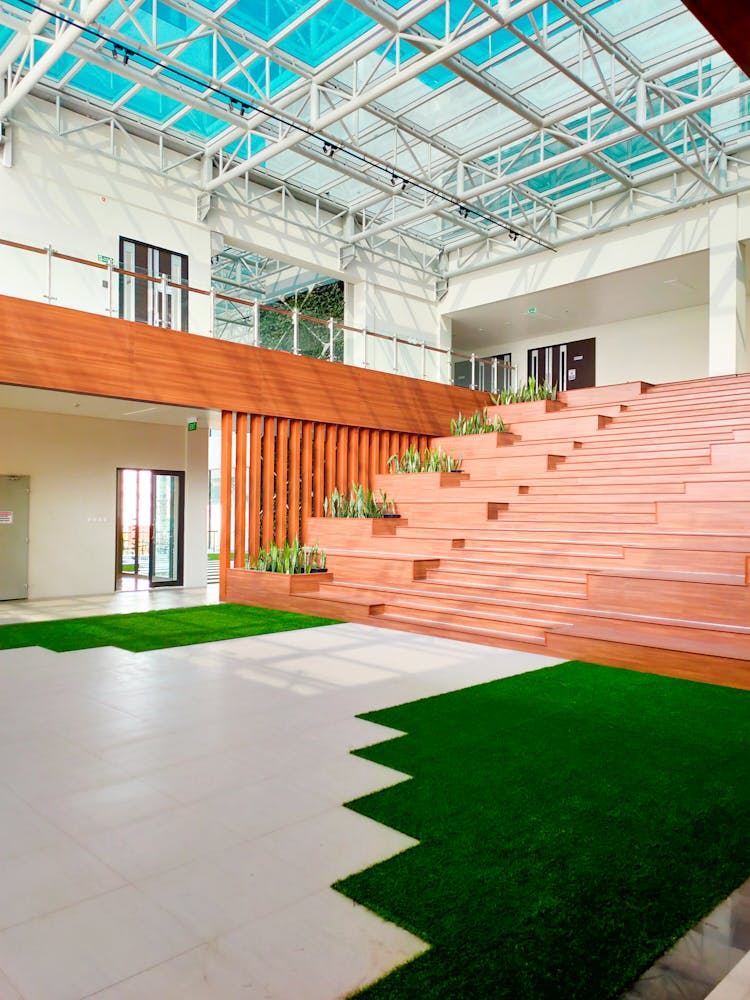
<point x="48" y="347"/>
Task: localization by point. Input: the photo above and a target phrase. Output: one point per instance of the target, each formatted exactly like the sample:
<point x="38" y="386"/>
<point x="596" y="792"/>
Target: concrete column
<point x="726" y="326"/>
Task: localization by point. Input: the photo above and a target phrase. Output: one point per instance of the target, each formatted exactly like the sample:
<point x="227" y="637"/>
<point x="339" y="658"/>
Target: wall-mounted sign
<point x="532" y="311"/>
<point x="192" y="425"/>
<point x="6" y="517"/>
<point x="105" y="260"/>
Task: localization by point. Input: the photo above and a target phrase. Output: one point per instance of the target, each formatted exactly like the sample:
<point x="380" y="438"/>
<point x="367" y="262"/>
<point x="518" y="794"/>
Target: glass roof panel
<point x="100" y="83"/>
<point x="320" y="37"/>
<point x="158" y="107"/>
<point x="63" y="65"/>
<point x="200" y="124"/>
<point x="422" y="123"/>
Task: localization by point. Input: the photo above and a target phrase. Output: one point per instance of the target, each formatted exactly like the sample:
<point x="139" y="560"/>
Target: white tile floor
<point x="170" y="822"/>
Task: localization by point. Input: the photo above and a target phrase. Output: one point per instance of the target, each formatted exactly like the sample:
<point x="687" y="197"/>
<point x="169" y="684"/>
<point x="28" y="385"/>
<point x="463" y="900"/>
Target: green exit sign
<point x="105" y="260"/>
<point x="532" y="311"/>
<point x="192" y="425"/>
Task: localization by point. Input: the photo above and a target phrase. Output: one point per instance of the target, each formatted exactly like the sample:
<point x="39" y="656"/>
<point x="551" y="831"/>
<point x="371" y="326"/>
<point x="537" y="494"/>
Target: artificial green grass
<point x="155" y="629"/>
<point x="574" y="823"/>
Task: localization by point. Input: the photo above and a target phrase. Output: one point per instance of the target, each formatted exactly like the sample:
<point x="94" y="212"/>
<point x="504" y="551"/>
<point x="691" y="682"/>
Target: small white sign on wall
<point x="6" y="517"/>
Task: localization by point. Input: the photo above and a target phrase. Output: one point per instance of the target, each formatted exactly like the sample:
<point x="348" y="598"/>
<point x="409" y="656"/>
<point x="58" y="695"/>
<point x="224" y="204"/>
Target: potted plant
<point x="361" y="502"/>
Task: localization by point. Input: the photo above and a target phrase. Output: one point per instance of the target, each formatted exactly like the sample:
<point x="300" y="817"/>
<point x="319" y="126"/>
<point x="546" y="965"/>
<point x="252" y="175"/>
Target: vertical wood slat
<point x="269" y="465"/>
<point x="395" y="447"/>
<point x="353" y="457"/>
<point x="363" y="476"/>
<point x="403" y="443"/>
<point x="318" y="464"/>
<point x="306" y="473"/>
<point x="374" y="457"/>
<point x="282" y="469"/>
<point x="240" y="490"/>
<point x="254" y="495"/>
<point x="342" y="452"/>
<point x="293" y="528"/>
<point x="414" y="441"/>
<point x="330" y="460"/>
<point x="225" y="492"/>
<point x="385" y="451"/>
<point x="423" y="442"/>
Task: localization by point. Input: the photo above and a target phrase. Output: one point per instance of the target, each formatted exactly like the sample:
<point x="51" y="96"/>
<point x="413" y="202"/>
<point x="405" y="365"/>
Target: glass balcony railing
<point x="101" y="287"/>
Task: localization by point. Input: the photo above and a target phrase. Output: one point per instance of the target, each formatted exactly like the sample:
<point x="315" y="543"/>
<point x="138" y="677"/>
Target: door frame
<point x="180" y="513"/>
<point x="180" y="517"/>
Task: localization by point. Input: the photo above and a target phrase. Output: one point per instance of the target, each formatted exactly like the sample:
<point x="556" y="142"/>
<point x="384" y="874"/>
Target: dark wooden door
<point x="567" y="366"/>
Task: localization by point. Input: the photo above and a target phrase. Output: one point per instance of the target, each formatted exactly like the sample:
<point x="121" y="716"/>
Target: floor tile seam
<point x="150" y="968"/>
<point x="77" y="902"/>
<point x="184" y="863"/>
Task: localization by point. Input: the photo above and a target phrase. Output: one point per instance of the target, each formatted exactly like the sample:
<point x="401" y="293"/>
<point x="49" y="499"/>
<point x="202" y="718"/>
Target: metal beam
<point x="58" y="47"/>
<point x="413" y="68"/>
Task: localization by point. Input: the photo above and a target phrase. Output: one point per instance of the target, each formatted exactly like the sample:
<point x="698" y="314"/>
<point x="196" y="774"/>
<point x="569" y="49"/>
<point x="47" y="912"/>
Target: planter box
<point x="251" y="586"/>
<point x="466" y="446"/>
<point x="348" y="531"/>
<point x="407" y="485"/>
<point x="509" y="412"/>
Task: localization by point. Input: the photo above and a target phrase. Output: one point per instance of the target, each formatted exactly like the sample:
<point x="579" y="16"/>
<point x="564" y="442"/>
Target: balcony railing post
<point x="494" y="375"/>
<point x="110" y="278"/>
<point x="164" y="294"/>
<point x="395" y="355"/>
<point x="256" y="323"/>
<point x="212" y="313"/>
<point x="364" y="348"/>
<point x="473" y="371"/>
<point x="295" y="331"/>
<point x="330" y="339"/>
<point x="424" y="360"/>
<point x="50" y="253"/>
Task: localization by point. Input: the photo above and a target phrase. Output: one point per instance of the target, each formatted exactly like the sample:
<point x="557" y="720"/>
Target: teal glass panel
<point x="332" y="28"/>
<point x="200" y="124"/>
<point x="63" y="65"/>
<point x="266" y="18"/>
<point x="152" y="105"/>
<point x="100" y="83"/>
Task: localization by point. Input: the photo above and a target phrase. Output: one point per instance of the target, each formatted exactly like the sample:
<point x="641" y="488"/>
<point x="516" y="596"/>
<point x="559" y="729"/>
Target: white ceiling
<point x="664" y="286"/>
<point x="69" y="403"/>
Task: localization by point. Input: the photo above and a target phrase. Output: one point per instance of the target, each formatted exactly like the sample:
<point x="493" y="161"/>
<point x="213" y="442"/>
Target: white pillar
<point x="726" y="325"/>
<point x="445" y="340"/>
<point x="356" y="315"/>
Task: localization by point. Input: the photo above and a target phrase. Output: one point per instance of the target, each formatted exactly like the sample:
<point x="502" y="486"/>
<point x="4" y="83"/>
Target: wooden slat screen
<point x="282" y="470"/>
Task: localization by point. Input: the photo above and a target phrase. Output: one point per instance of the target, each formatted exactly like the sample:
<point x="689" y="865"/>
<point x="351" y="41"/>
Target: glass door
<point x="167" y="504"/>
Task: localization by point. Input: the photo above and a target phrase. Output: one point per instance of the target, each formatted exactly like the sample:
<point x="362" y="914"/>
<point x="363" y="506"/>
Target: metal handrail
<point x="294" y="315"/>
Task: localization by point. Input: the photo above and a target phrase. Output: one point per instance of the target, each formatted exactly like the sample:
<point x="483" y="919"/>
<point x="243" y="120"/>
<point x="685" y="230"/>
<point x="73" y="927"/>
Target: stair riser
<point x="506" y="582"/>
<point x="677" y="599"/>
<point x="363" y="567"/>
<point x="479" y="620"/>
<point x="564" y="427"/>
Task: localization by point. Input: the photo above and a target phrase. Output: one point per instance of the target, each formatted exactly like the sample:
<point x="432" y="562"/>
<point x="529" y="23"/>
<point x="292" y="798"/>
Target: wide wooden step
<point x="461" y="617"/>
<point x="507" y="581"/>
<point x="466" y="633"/>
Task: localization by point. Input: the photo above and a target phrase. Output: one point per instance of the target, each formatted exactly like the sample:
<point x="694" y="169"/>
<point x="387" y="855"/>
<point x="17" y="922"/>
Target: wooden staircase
<point x="611" y="525"/>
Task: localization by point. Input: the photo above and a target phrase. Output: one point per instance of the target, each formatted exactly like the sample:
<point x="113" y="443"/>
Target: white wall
<point x="666" y="347"/>
<point x="372" y="307"/>
<point x="72" y="462"/>
<point x="81" y="203"/>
